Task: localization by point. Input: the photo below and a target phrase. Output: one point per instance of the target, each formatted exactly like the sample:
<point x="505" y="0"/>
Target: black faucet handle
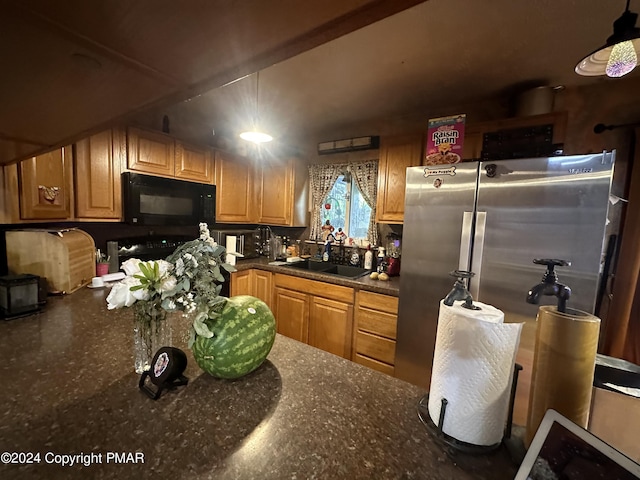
<point x="460" y="274"/>
<point x="459" y="291"/>
<point x="550" y="276"/>
<point x="552" y="262"/>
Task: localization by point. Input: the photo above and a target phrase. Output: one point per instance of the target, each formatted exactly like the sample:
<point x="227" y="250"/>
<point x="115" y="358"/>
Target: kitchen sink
<point x="346" y="271"/>
<point x="314" y="266"/>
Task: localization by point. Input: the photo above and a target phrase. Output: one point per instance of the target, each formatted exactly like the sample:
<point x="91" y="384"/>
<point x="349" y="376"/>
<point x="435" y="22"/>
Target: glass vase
<point x="151" y="330"/>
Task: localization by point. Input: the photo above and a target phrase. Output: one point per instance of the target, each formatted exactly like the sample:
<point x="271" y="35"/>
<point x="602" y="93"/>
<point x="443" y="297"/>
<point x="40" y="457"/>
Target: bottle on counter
<point x="380" y="264"/>
<point x="354" y="260"/>
<point x="368" y="258"/>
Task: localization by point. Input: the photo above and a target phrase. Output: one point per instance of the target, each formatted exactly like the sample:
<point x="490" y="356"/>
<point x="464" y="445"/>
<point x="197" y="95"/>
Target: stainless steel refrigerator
<point x="494" y="218"/>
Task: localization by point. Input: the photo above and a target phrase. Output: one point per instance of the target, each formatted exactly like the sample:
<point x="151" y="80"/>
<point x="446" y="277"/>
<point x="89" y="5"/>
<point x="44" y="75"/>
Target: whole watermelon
<point x="243" y="335"/>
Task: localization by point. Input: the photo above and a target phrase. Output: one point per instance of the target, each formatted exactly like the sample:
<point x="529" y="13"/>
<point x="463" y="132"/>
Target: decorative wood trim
<point x="622" y="334"/>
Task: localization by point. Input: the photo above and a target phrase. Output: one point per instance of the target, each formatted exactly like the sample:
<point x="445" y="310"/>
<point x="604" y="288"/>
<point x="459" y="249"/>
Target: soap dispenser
<point x="368" y="258"/>
<point x="380" y="263"/>
<point x="327" y="252"/>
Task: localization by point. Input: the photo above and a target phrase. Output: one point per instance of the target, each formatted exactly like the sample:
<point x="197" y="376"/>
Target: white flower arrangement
<point x="189" y="280"/>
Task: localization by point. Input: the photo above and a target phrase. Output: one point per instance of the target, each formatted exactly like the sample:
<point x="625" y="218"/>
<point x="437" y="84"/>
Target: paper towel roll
<point x="563" y="366"/>
<point x="473" y="366"/>
<point x="231" y="246"/>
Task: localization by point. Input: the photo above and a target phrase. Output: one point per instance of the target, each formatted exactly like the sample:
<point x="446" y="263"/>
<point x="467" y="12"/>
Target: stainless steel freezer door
<point x="541" y="208"/>
<point x="436" y="200"/>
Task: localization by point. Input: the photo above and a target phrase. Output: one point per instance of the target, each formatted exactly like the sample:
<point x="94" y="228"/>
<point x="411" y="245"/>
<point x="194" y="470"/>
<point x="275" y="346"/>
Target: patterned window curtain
<point x="322" y="178"/>
<point x="366" y="177"/>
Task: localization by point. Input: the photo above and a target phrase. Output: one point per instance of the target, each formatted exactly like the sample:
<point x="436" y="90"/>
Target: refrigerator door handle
<point x="465" y="241"/>
<point x="476" y="256"/>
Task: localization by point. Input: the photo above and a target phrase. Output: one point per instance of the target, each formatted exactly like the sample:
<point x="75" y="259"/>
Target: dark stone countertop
<point x="68" y="387"/>
<point x="390" y="287"/>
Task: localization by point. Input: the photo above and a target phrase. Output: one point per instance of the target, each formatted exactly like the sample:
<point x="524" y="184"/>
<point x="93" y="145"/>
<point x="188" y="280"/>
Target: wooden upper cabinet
<point x="283" y="193"/>
<point x="194" y="163"/>
<point x="396" y="154"/>
<point x="45" y="186"/>
<point x="98" y="163"/>
<point x="150" y="152"/>
<point x="235" y="193"/>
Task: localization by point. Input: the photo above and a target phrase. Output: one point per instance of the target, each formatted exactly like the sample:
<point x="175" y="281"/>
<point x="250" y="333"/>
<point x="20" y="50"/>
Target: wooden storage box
<point x="615" y="418"/>
<point x="66" y="258"/>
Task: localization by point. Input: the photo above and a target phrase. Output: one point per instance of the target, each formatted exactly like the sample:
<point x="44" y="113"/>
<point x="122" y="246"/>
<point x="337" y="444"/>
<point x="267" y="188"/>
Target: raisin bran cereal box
<point x="445" y="137"/>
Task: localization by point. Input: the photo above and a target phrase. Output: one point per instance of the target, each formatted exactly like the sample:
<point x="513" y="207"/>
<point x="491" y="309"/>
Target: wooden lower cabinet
<point x="257" y="283"/>
<point x="313" y="312"/>
<point x="331" y="326"/>
<point x="263" y="286"/>
<point x="292" y="314"/>
<point x="240" y="283"/>
<point x="374" y="342"/>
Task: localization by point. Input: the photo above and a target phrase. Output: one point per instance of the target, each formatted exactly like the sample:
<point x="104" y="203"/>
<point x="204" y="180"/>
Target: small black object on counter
<point x="21" y="295"/>
<point x="166" y="371"/>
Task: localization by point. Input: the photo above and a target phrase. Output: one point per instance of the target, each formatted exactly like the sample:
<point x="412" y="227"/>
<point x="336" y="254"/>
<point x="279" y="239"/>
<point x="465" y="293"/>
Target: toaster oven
<point x="21" y="295"/>
<point x="244" y="242"/>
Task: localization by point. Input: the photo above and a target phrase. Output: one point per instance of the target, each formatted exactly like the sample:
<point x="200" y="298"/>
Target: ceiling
<point x="73" y="67"/>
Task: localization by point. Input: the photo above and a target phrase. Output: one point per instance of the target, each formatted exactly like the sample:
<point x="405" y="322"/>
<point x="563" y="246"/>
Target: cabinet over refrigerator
<point x="494" y="218"/>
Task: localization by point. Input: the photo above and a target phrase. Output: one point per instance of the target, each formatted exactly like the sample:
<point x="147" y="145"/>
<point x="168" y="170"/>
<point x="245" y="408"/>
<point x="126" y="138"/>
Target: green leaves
<point x="228" y="267"/>
<point x="200" y="327"/>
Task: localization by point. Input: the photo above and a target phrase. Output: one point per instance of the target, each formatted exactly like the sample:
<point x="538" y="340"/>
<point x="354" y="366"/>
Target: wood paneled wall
<point x="622" y="333"/>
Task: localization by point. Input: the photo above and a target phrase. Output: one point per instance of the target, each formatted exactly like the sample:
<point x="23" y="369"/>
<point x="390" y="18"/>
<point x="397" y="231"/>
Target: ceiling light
<point x="620" y="54"/>
<point x="255" y="135"/>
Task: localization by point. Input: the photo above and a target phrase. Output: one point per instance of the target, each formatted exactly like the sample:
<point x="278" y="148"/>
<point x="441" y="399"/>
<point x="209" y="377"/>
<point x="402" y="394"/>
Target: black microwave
<point x="149" y="200"/>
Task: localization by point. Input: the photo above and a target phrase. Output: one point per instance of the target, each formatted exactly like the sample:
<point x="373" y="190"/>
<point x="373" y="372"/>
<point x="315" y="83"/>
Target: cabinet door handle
<point x="49" y="193"/>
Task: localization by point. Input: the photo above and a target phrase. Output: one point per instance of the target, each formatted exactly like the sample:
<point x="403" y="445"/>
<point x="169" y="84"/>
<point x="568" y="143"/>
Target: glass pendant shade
<point x="622" y="60"/>
<point x="619" y="55"/>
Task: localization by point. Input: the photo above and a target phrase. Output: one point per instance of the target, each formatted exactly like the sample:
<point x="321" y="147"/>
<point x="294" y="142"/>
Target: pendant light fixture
<point x="255" y="135"/>
<point x="620" y="54"/>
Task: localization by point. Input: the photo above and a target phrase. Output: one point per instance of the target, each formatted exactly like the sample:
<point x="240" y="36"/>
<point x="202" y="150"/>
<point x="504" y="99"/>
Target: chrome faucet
<point x="550" y="285"/>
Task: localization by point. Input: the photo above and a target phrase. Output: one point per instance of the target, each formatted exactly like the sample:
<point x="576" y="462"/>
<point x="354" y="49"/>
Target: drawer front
<point x="374" y="364"/>
<point x="377" y="301"/>
<point x="380" y="323"/>
<point x="315" y="288"/>
<point x="378" y="348"/>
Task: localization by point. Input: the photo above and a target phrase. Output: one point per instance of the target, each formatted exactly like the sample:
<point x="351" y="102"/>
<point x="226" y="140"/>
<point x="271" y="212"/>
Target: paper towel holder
<point x="549" y="284"/>
<point x="438" y="432"/>
<point x="459" y="291"/>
